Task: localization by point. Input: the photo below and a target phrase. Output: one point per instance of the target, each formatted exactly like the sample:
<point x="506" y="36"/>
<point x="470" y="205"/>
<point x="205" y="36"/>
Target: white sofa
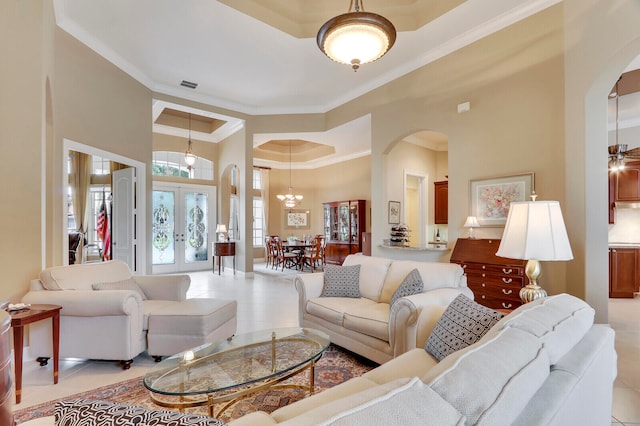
<point x="543" y="364"/>
<point x="140" y="312"/>
<point x="369" y="326"/>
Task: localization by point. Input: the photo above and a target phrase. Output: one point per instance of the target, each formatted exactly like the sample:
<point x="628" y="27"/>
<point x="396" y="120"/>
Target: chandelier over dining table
<point x="290" y="199"/>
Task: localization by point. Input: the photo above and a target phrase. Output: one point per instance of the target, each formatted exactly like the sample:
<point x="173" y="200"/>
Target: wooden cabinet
<point x="623" y="272"/>
<point x="624" y="185"/>
<point x="344" y="222"/>
<point x="6" y="415"/>
<point x="441" y="202"/>
<point x="495" y="281"/>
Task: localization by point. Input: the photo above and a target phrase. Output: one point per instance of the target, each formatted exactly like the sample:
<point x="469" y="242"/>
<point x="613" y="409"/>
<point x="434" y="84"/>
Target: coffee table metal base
<point x="232" y="398"/>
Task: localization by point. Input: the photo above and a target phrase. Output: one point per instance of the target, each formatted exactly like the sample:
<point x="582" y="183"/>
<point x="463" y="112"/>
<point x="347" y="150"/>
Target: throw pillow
<point x="129" y="284"/>
<point x="341" y="281"/>
<point x="462" y="324"/>
<point x="412" y="284"/>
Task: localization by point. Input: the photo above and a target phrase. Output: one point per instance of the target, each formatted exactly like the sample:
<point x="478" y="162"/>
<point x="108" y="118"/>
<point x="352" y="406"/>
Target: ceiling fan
<point x="618" y="152"/>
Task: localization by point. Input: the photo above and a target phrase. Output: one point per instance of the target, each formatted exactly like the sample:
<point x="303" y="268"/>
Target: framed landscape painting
<point x="490" y="197"/>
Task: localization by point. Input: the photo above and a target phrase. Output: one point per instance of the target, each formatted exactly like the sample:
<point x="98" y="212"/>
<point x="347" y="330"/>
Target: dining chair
<point x="313" y="255"/>
<point x="284" y="257"/>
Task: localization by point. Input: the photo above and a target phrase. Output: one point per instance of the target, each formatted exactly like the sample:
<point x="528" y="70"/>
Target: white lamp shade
<point x="535" y="231"/>
<point x="221" y="227"/>
<point x="472" y="222"/>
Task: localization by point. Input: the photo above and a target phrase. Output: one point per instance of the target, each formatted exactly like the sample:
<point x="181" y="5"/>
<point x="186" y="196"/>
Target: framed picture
<point x="297" y="219"/>
<point x="394" y="212"/>
<point x="490" y="197"/>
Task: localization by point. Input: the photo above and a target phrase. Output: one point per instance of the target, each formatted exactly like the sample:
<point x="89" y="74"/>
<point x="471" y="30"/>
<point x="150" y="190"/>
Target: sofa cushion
<point x="341" y="281"/>
<point x="560" y="321"/>
<point x="372" y="320"/>
<point x="373" y="271"/>
<point x="128" y="284"/>
<point x="410" y="404"/>
<point x="434" y="275"/>
<point x="81" y="277"/>
<point x="332" y="309"/>
<point x="492" y="381"/>
<point x="103" y="413"/>
<point x="412" y="284"/>
<point x="463" y="323"/>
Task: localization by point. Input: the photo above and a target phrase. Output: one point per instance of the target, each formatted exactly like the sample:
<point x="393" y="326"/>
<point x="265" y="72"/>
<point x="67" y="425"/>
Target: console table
<point x="224" y="248"/>
<point x="27" y="316"/>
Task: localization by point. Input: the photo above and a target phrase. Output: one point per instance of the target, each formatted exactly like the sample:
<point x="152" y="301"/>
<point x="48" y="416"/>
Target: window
<point x="258" y="223"/>
<point x="170" y="163"/>
<point x="234" y="231"/>
<point x="257" y="184"/>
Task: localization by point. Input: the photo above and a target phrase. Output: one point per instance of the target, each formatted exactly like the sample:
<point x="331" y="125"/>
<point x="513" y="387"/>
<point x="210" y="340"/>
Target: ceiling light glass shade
<point x="356" y="38"/>
<point x="189" y="158"/>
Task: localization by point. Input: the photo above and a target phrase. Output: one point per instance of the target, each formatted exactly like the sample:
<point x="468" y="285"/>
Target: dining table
<point x="300" y="245"/>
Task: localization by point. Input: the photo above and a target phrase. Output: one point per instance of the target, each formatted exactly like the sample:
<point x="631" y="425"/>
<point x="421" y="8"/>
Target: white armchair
<point x="105" y="324"/>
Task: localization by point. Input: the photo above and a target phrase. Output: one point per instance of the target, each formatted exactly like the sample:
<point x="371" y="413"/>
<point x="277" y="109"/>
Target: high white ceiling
<point x="244" y="64"/>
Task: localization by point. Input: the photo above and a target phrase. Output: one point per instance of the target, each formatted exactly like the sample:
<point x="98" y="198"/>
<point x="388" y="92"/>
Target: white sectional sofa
<point x="368" y="325"/>
<point x="546" y="363"/>
<point x="543" y="364"/>
<point x="129" y="314"/>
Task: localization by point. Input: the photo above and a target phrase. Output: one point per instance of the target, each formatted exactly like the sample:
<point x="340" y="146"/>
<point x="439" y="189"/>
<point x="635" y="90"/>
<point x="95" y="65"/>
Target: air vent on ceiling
<point x="189" y="84"/>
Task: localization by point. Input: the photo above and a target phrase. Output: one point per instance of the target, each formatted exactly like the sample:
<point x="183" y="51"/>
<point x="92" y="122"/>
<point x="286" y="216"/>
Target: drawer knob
<point x="505" y="291"/>
<point x="506" y="305"/>
<point x="483" y="275"/>
<point x="507" y="271"/>
<point x="483" y="285"/>
<point x="507" y="280"/>
<point x="483" y="296"/>
<point x="484" y="267"/>
<point x="464" y="266"/>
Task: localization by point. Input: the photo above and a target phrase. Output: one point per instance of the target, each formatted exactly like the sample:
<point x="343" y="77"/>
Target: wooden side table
<point x="224" y="248"/>
<point x="19" y="319"/>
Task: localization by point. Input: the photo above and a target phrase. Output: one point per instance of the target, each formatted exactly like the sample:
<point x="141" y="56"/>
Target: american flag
<point x="103" y="230"/>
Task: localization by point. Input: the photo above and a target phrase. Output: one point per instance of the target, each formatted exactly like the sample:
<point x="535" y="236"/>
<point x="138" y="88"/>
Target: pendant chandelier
<point x="290" y="200"/>
<point x="356" y="37"/>
<point x="189" y="157"/>
<point x="616" y="156"/>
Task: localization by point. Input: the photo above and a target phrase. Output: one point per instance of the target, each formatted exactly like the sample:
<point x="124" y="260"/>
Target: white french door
<point x="183" y="222"/>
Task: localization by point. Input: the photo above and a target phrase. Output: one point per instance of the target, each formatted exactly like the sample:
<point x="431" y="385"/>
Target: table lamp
<point x="221" y="230"/>
<point x="534" y="231"/>
<point x="472" y="222"/>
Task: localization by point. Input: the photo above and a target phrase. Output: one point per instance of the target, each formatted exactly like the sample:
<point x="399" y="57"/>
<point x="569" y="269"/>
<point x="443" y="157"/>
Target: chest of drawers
<point x="495" y="281"/>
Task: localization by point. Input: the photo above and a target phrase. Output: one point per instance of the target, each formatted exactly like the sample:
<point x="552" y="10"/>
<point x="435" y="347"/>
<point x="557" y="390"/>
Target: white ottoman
<point x="179" y="326"/>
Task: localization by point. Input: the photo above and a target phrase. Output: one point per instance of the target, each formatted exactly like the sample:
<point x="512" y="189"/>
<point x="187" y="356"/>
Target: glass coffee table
<point x="228" y="370"/>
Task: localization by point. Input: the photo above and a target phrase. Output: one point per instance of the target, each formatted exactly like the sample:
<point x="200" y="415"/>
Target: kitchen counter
<point x="624" y="245"/>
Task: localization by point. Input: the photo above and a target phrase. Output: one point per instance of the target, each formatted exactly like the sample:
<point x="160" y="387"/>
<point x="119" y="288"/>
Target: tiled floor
<point x="267" y="301"/>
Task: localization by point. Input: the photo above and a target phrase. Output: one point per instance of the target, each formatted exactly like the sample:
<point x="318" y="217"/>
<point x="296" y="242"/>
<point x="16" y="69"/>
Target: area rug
<point x="336" y="366"/>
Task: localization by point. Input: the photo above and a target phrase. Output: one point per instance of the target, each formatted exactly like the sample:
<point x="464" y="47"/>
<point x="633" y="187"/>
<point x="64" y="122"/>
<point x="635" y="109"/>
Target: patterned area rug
<point x="337" y="365"/>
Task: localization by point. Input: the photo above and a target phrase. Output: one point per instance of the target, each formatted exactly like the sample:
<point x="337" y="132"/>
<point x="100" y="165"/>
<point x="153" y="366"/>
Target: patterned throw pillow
<point x="103" y="413"/>
<point x="129" y="284"/>
<point x="462" y="324"/>
<point x="341" y="281"/>
<point x="412" y="284"/>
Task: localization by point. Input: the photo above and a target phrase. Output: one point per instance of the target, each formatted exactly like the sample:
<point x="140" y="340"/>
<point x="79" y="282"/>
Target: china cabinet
<point x="344" y="223"/>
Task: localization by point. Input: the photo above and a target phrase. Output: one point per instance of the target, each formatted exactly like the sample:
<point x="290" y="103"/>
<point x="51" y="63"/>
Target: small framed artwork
<point x="490" y="197"/>
<point x="394" y="212"/>
<point x="297" y="219"/>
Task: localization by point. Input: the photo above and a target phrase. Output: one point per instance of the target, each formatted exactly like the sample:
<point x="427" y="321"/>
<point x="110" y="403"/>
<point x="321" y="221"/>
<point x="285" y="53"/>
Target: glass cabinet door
<point x="327" y="222"/>
<point x="353" y="209"/>
<point x="343" y="226"/>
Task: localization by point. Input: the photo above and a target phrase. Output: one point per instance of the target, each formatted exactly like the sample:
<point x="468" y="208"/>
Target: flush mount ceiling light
<point x="356" y="37"/>
<point x="189" y="156"/>
<point x="290" y="200"/>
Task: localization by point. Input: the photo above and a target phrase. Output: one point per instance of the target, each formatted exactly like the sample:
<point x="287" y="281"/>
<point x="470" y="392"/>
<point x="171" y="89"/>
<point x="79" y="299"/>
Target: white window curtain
<point x="264" y="194"/>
